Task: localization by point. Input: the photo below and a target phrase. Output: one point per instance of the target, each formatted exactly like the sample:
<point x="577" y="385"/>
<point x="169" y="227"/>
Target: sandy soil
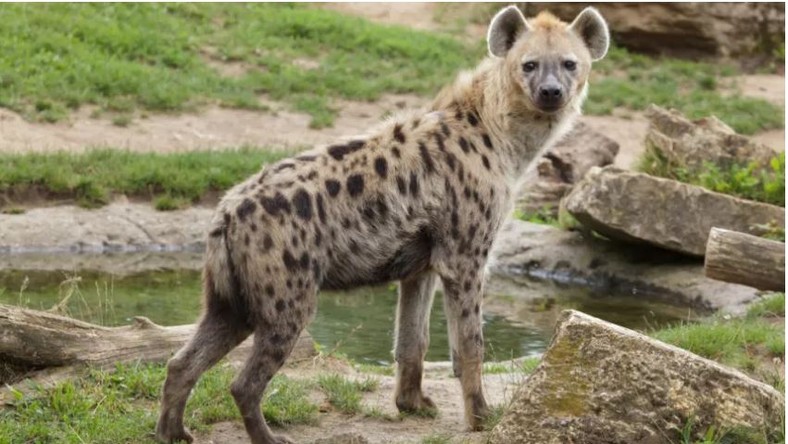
<point x="438" y="384"/>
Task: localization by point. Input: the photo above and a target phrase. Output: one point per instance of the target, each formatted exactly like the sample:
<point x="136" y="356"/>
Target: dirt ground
<point x="438" y="384"/>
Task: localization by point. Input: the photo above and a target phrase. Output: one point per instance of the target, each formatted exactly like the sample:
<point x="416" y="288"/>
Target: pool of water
<point x="360" y="324"/>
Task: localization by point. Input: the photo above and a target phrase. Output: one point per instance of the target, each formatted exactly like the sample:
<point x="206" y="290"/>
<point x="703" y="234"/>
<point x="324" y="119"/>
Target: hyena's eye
<point x="529" y="66"/>
<point x="570" y="65"/>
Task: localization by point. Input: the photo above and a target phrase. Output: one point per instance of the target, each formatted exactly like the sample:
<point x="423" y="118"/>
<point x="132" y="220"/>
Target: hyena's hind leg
<point x="218" y="332"/>
<point x="273" y="343"/>
<point x="413" y="339"/>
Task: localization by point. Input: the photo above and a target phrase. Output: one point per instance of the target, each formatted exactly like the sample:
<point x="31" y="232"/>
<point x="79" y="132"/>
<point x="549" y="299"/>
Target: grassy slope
<point x="91" y="177"/>
<point x="123" y="57"/>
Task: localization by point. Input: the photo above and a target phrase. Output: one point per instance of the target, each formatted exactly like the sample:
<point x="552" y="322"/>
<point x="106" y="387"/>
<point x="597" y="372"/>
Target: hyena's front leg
<point x="412" y="340"/>
<point x="463" y="301"/>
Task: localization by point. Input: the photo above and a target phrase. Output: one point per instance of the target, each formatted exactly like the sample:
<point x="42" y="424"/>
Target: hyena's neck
<point x="520" y="134"/>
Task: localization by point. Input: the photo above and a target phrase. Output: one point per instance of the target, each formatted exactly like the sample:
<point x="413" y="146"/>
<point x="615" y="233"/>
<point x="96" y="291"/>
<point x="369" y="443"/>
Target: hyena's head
<point x="550" y="60"/>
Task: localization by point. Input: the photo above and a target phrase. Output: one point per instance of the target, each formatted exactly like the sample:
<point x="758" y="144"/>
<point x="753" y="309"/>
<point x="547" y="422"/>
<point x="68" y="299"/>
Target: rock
<point x="525" y="252"/>
<point x="689" y="144"/>
<point x="636" y="207"/>
<point x="732" y="30"/>
<point x="602" y="383"/>
<point x="566" y="163"/>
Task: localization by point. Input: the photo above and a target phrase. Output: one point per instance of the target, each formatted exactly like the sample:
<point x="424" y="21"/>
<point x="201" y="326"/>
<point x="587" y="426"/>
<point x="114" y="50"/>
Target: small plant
<point x="13" y="210"/>
<point x="169" y="203"/>
<point x="436" y="438"/>
<point x="345" y="394"/>
<point x="529" y="365"/>
<point x="542" y="217"/>
<point x="769" y="305"/>
<point x="763" y="183"/>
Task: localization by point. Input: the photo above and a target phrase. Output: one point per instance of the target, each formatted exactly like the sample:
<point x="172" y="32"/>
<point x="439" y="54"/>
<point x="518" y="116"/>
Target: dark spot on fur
<point x="283" y="167"/>
<point x="401" y="186"/>
<point x="290" y="261"/>
<point x="269" y="290"/>
<point x="463" y="144"/>
<point x="302" y="202"/>
<point x="246" y="208"/>
<point x="450" y="160"/>
<point x="487" y="141"/>
<point x="445" y="129"/>
<point x="247" y="240"/>
<point x="218" y="232"/>
<point x="280" y="305"/>
<point x="466" y="286"/>
<point x="333" y="187"/>
<point x="465" y="313"/>
<point x="304" y="262"/>
<point x="485" y="161"/>
<point x="275" y="205"/>
<point x="338" y="152"/>
<point x="306" y="158"/>
<point x="399" y="136"/>
<point x="458" y="114"/>
<point x="381" y="167"/>
<point x="472" y="118"/>
<point x="414" y="184"/>
<point x="396" y="152"/>
<point x="355" y="185"/>
<point x="476" y="308"/>
<point x="354" y="248"/>
<point x="321" y="211"/>
<point x="426" y="158"/>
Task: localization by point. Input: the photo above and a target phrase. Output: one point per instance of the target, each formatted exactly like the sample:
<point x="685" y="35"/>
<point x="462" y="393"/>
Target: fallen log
<point x="43" y="340"/>
<point x="744" y="259"/>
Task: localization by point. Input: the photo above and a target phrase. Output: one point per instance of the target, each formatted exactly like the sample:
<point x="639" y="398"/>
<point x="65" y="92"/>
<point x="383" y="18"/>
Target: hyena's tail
<point x="222" y="286"/>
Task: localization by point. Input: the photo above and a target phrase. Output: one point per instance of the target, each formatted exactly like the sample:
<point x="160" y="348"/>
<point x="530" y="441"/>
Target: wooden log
<point x="741" y="258"/>
<point x="42" y="340"/>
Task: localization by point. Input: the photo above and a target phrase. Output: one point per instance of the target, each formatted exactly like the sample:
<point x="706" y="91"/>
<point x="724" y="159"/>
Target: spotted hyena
<point x="416" y="200"/>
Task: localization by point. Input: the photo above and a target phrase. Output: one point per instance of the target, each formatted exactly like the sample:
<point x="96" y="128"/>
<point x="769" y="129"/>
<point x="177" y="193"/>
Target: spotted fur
<point x="417" y="200"/>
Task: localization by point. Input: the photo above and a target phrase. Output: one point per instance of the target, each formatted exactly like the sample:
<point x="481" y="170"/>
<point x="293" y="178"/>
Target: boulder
<point x="525" y="252"/>
<point x="564" y="165"/>
<point x="710" y="30"/>
<point x="602" y="383"/>
<point x="636" y="207"/>
<point x="691" y="144"/>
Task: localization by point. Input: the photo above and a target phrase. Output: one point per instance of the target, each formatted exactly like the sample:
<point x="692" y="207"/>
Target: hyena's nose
<point x="550" y="93"/>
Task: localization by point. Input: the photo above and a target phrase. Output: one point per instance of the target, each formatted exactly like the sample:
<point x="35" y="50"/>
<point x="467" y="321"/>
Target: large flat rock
<point x="637" y="207"/>
<point x="525" y="250"/>
<point x="601" y="383"/>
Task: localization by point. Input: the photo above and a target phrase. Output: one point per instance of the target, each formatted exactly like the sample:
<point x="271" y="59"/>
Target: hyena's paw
<point x="170" y="435"/>
<point x="417" y="404"/>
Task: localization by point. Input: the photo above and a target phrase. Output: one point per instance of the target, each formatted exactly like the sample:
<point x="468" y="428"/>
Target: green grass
<point x="90" y="178"/>
<point x="738" y="435"/>
<point x="726" y="341"/>
<point x="345" y="394"/>
<point x="436" y="438"/>
<point x="763" y="183"/>
<point x="127" y="57"/>
<point x="769" y="305"/>
<point x="543" y="217"/>
<point x="384" y="370"/>
<point x="634" y="81"/>
<point x="121" y="406"/>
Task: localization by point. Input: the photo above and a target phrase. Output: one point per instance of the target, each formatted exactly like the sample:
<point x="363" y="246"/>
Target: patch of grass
<point x="384" y="370"/>
<point x="345" y="394"/>
<point x="726" y="341"/>
<point x="769" y="305"/>
<point x="496" y="413"/>
<point x="91" y="177"/>
<point x="376" y="413"/>
<point x="529" y="365"/>
<point x="542" y="217"/>
<point x="168" y="203"/>
<point x="13" y="210"/>
<point x="739" y="435"/>
<point x="634" y="81"/>
<point x="436" y="438"/>
<point x="752" y="181"/>
<point x="121" y="57"/>
<point x="122" y="406"/>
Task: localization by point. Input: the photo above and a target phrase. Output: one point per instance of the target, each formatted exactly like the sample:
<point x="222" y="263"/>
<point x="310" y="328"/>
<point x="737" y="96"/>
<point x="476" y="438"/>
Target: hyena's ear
<point x="504" y="29"/>
<point x="592" y="28"/>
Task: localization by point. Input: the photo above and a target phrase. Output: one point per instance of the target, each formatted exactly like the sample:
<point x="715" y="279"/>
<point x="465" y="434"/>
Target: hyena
<point x="417" y="200"/>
